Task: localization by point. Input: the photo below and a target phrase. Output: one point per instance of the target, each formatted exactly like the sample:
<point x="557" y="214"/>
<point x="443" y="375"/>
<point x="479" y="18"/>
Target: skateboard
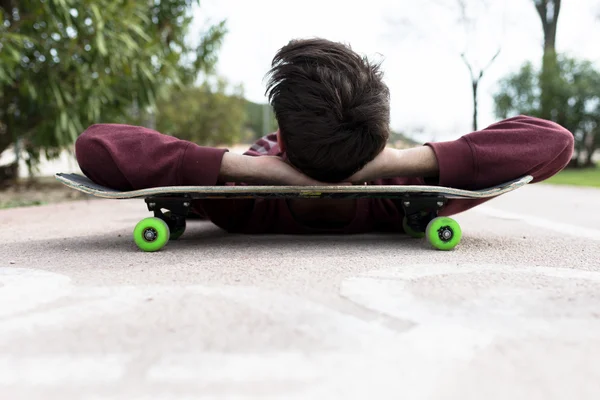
<point x="421" y="205"/>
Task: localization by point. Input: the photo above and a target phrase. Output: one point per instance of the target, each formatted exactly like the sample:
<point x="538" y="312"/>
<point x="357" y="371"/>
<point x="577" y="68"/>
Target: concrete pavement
<point x="513" y="312"/>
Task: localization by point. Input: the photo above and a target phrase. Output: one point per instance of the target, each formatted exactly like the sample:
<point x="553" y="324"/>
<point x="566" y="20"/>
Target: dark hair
<point x="331" y="105"/>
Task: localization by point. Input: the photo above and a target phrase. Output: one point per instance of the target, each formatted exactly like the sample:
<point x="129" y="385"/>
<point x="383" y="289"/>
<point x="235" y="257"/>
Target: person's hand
<point x="394" y="163"/>
<point x="272" y="170"/>
<point x="380" y="167"/>
<point x="263" y="170"/>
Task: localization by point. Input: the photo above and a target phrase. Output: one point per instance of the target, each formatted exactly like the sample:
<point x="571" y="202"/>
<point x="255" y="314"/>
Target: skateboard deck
<point x="85" y="185"/>
<point x="421" y="205"/>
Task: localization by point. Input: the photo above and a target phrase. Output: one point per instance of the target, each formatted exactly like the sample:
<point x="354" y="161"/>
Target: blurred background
<point x="195" y="70"/>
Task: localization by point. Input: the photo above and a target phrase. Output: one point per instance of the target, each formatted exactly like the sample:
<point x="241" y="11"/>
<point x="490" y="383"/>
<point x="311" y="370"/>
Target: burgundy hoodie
<point x="129" y="157"/>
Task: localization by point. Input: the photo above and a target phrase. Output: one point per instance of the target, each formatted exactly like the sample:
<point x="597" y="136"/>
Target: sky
<point x="418" y="42"/>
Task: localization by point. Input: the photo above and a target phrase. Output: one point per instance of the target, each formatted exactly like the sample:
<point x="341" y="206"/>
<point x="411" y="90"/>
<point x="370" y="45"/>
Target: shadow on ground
<point x="208" y="238"/>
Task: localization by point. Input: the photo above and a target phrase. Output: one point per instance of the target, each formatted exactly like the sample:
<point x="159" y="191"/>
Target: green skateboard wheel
<point x="410" y="231"/>
<point x="443" y="233"/>
<point x="177" y="230"/>
<point x="151" y="234"/>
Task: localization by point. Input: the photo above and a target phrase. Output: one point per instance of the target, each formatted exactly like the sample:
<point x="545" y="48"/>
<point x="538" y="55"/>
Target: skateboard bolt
<point x="407" y="203"/>
<point x="446" y="234"/>
<point x="186" y="204"/>
<point x="440" y="203"/>
<point x="150" y="235"/>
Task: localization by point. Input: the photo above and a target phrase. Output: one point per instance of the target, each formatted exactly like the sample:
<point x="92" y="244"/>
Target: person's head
<point x="332" y="108"/>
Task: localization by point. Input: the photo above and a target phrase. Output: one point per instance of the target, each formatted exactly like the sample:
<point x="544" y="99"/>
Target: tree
<point x="467" y="24"/>
<point x="548" y="11"/>
<point x="475" y="79"/>
<point x="466" y="14"/>
<point x="66" y="64"/>
<point x="577" y="86"/>
<point x="206" y="114"/>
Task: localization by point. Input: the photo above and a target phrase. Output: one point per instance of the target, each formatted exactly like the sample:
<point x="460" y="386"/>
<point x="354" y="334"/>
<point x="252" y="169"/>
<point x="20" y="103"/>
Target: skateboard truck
<point x="421" y="220"/>
<point x="178" y="210"/>
<point x="419" y="211"/>
<point x="179" y="206"/>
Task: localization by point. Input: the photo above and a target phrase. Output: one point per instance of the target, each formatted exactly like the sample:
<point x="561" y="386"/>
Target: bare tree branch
<point x="468" y="64"/>
<point x="475" y="82"/>
<point x="489" y="64"/>
<point x="460" y="11"/>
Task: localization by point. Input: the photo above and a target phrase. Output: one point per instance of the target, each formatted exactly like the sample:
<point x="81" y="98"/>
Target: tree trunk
<point x="549" y="10"/>
<point x="577" y="153"/>
<point x="475" y="79"/>
<point x="7" y="6"/>
<point x="5" y="139"/>
<point x="590" y="148"/>
<point x="475" y="86"/>
<point x="8" y="173"/>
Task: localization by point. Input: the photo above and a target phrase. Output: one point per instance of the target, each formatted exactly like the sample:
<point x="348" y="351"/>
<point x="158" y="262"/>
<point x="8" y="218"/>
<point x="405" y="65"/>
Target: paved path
<point x="513" y="313"/>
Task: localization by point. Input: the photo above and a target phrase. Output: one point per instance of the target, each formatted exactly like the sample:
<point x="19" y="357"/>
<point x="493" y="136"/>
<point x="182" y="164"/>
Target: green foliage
<point x="577" y="177"/>
<point x="66" y="64"/>
<point x="552" y="87"/>
<point x="255" y="119"/>
<point x="20" y="203"/>
<point x="519" y="93"/>
<point x="576" y="100"/>
<point x="210" y="114"/>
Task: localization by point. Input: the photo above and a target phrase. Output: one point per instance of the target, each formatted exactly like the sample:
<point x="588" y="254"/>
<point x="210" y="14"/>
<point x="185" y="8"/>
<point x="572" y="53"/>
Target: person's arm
<point x="128" y="157"/>
<point x="418" y="162"/>
<point x="504" y="151"/>
<point x="261" y="170"/>
<point x="499" y="153"/>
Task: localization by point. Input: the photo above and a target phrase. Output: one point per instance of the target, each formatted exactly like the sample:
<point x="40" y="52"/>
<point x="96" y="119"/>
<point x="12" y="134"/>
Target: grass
<point x="37" y="192"/>
<point x="577" y="177"/>
<point x="21" y="203"/>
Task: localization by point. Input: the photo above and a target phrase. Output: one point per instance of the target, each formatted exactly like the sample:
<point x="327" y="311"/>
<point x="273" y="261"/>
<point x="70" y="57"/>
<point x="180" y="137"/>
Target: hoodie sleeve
<point x="128" y="157"/>
<point x="504" y="151"/>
